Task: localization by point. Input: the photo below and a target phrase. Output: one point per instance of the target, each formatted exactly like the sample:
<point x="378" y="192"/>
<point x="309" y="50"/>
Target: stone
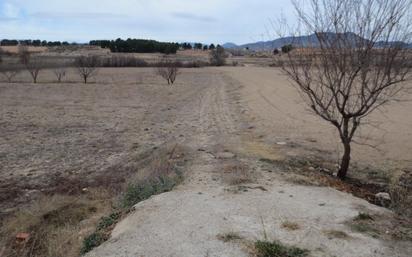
<point x="383" y="198"/>
<point x="225" y="155"/>
<point x="22" y="237"/>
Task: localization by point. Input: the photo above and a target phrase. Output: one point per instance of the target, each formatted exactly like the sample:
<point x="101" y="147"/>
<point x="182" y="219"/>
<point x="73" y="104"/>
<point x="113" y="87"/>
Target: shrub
<point x="108" y="221"/>
<point x="141" y="191"/>
<point x="276" y="249"/>
<point x="287" y="48"/>
<point x="92" y="241"/>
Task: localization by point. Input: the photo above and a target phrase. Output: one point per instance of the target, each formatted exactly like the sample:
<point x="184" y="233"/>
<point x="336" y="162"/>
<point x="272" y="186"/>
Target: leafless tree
<point x="24" y="54"/>
<point x="357" y="63"/>
<point x="34" y="66"/>
<point x="60" y="73"/>
<point x="168" y="70"/>
<point x="10" y="74"/>
<point x="218" y="56"/>
<point x="87" y="66"/>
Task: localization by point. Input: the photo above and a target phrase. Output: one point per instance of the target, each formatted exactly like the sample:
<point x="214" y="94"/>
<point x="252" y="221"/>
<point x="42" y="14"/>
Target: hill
<point x="302" y="41"/>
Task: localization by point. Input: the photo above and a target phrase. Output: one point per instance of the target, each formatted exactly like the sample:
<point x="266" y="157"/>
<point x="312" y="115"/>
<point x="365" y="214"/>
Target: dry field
<point x="70" y="137"/>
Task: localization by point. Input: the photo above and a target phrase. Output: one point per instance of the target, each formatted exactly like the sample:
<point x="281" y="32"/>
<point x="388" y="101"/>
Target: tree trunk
<point x="85" y="79"/>
<point x="344" y="166"/>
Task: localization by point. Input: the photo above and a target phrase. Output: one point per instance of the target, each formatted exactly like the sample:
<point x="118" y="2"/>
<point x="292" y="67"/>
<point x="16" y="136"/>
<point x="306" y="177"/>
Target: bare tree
<point x="357" y="63"/>
<point x="168" y="70"/>
<point x="10" y="74"/>
<point x="87" y="66"/>
<point x="24" y="54"/>
<point x="34" y="66"/>
<point x="218" y="56"/>
<point x="60" y="73"/>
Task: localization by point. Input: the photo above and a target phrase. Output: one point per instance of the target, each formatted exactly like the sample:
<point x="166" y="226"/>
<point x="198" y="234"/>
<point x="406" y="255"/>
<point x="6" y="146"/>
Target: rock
<point x="225" y="155"/>
<point x="22" y="237"/>
<point x="281" y="143"/>
<point x="383" y="198"/>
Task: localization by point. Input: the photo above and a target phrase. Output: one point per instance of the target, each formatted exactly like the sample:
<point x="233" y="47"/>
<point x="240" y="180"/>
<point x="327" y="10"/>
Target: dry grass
<point x="401" y="195"/>
<point x="228" y="237"/>
<point x="56" y="225"/>
<point x="237" y="174"/>
<point x="291" y="226"/>
<point x="301" y="180"/>
<point x="63" y="224"/>
<point x="336" y="234"/>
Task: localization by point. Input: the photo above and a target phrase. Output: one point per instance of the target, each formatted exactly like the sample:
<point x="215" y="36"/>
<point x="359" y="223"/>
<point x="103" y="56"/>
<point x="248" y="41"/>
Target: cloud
<point x="193" y="17"/>
<point x="168" y="20"/>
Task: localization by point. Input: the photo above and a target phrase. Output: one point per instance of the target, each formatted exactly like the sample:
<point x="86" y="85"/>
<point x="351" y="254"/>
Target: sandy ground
<point x="280" y="114"/>
<point x="222" y="115"/>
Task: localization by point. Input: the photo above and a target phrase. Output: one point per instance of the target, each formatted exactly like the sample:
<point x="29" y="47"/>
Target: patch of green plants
<point x="141" y="191"/>
<point x="108" y="221"/>
<point x="277" y="249"/>
<point x="366" y="229"/>
<point x="134" y="194"/>
<point x="92" y="241"/>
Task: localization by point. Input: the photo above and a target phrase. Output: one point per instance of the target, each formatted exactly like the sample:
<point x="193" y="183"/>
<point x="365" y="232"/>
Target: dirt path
<point x="187" y="222"/>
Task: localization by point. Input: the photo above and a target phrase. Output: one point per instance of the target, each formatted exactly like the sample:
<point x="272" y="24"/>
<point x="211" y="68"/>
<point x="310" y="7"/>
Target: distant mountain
<point x="230" y="45"/>
<point x="302" y="41"/>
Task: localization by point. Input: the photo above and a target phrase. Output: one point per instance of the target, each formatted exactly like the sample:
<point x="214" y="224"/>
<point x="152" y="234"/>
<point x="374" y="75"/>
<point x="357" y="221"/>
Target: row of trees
<point x="37" y="42"/>
<point x="147" y="46"/>
<point x="86" y="66"/>
<point x="197" y="46"/>
<point x="137" y="46"/>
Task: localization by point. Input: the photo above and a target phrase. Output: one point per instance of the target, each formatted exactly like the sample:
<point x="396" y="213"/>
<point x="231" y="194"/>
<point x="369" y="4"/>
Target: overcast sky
<point x="207" y="21"/>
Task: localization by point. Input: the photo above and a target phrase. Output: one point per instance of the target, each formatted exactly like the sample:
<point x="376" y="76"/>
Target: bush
<point x="108" y="221"/>
<point x="287" y="48"/>
<point x="276" y="249"/>
<point x="141" y="191"/>
<point x="92" y="241"/>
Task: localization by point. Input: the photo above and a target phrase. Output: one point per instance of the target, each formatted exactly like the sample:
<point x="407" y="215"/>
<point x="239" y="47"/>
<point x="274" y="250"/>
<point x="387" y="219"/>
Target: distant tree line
<point x="197" y="46"/>
<point x="137" y="46"/>
<point x="37" y="42"/>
